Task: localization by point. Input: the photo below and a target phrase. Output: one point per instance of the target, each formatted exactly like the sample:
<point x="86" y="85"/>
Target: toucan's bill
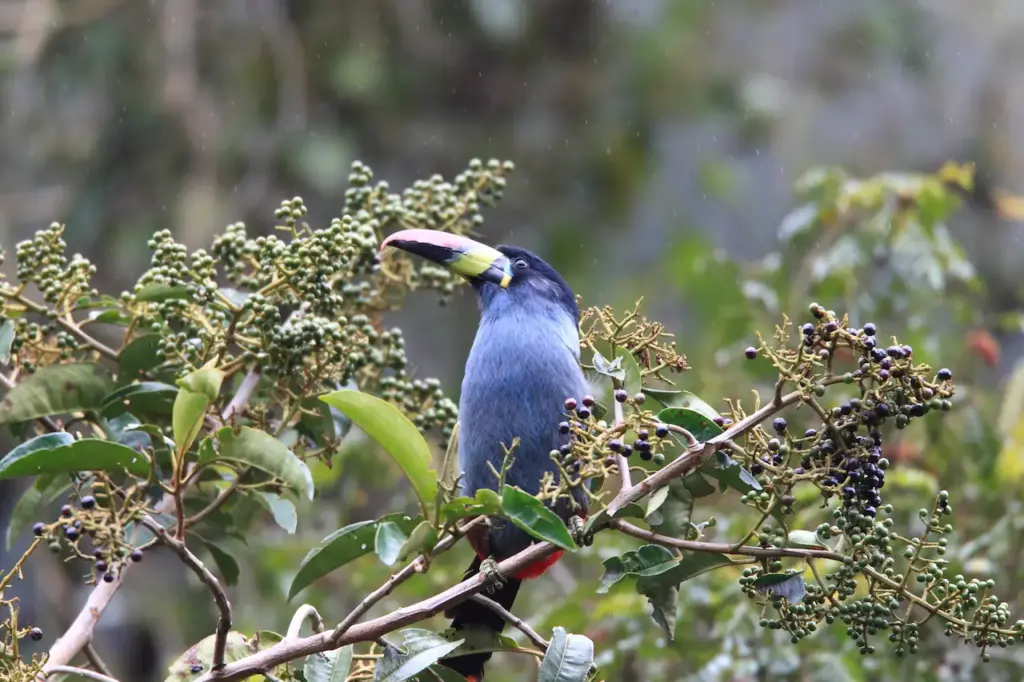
<point x="461" y="255"/>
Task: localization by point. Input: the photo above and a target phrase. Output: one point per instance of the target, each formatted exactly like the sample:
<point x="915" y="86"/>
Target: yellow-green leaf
<point x="263" y="451"/>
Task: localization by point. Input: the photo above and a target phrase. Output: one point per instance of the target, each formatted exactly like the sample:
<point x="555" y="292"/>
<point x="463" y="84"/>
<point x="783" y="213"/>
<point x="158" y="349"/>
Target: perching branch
<point x="305" y="613"/>
<point x="80" y="672"/>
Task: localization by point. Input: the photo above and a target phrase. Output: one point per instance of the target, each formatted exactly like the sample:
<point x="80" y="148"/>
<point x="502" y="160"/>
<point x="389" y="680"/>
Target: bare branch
<point x="205" y="577"/>
<point x="242" y="395"/>
<point x="512" y="620"/>
<point x="305" y="612"/>
<point x="372" y="630"/>
<point x="94" y="659"/>
<point x="625" y="479"/>
<point x="721" y="547"/>
<point x="80" y="672"/>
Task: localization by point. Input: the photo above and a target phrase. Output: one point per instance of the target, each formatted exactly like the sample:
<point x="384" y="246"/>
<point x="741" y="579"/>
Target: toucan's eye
<point x="520" y="264"/>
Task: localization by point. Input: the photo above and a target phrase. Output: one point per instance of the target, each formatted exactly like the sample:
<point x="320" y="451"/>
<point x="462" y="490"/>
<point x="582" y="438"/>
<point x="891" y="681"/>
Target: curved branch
<point x="80" y="672"/>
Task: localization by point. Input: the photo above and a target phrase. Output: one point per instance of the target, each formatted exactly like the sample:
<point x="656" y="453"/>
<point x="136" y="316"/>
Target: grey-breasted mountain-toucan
<point x="522" y="369"/>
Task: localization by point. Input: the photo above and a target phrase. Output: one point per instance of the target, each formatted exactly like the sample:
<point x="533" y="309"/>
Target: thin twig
<point x="512" y="620"/>
<point x="305" y="613"/>
<point x="415" y="566"/>
<point x="721" y="547"/>
<point x="625" y="479"/>
<point x="243" y="394"/>
<point x="372" y="630"/>
<point x="94" y="659"/>
<point x="220" y="598"/>
<point x="81" y="672"/>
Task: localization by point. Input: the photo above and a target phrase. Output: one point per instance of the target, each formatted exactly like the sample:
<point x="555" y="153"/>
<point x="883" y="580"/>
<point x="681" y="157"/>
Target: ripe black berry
<point x="643" y="434"/>
<point x="870" y="329"/>
<point x="621" y="395"/>
<point x="101" y="566"/>
<point x="894" y="352"/>
<point x="565" y="449"/>
<point x="88" y="502"/>
<point x="563" y="427"/>
<point x="615" y="445"/>
<point x="779" y="425"/>
<point x="750" y="352"/>
<point x="661" y="431"/>
<point x="944" y="374"/>
<point x="38" y="529"/>
<point x="583" y="413"/>
<point x="646" y="455"/>
<point x="807" y="329"/>
<point x="71" y="534"/>
<point x="588" y="401"/>
<point x="35" y="634"/>
<point x="719" y="421"/>
<point x="108" y="577"/>
<point x="136" y="555"/>
<point x="570" y="404"/>
<point x="627" y="450"/>
<point x="66" y="511"/>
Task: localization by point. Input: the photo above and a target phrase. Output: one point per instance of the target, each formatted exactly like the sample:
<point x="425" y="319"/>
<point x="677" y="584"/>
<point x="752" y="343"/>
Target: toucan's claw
<point x="493" y="580"/>
<point x="578" y="529"/>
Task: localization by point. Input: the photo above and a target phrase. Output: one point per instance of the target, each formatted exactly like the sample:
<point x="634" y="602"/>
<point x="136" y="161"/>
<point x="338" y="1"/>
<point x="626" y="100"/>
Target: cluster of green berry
<point x="42" y="261"/>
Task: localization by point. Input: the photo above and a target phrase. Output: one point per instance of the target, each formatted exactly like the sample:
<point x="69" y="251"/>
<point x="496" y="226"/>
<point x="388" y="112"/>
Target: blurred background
<point x="657" y="145"/>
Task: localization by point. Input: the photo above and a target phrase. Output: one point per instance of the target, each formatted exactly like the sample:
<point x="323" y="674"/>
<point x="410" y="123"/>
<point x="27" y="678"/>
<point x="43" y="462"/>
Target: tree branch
<point x="205" y="577"/>
<point x="512" y="620"/>
<point x="286" y="651"/>
<point x="305" y="612"/>
<point x="80" y="672"/>
<point x="721" y="547"/>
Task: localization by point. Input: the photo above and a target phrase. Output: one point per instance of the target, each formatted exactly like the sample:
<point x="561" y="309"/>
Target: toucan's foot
<point x="578" y="529"/>
<point x="493" y="580"/>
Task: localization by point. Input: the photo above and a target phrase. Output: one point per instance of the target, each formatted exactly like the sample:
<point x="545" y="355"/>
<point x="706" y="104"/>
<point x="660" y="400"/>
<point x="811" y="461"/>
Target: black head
<point x="532" y="277"/>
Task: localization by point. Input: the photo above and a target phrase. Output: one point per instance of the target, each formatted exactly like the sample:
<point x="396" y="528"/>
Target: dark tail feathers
<point x="470" y="614"/>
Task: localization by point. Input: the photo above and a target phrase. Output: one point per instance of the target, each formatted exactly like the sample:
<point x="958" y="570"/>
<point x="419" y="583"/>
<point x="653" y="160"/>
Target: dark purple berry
<point x="98" y="553"/>
<point x="615" y="445"/>
<point x="38" y="529"/>
<point x="88" y="502"/>
<point x="136" y="555"/>
<point x="588" y="401"/>
<point x="884" y="375"/>
<point x="627" y="450"/>
<point x="71" y="534"/>
<point x="66" y="511"/>
<point x="810" y="433"/>
<point x="661" y="431"/>
<point x="756" y="469"/>
<point x="808" y="329"/>
<point x="641" y="446"/>
<point x="643" y="434"/>
<point x="195" y="669"/>
<point x="870" y="329"/>
<point x="563" y="427"/>
<point x="831" y="327"/>
<point x="779" y="425"/>
<point x="621" y="395"/>
<point x="583" y="413"/>
<point x="565" y="449"/>
<point x="101" y="566"/>
<point x="35" y="634"/>
<point x="719" y="421"/>
<point x="646" y="455"/>
<point x="798" y="471"/>
<point x="108" y="577"/>
<point x="944" y="374"/>
<point x="750" y="352"/>
<point x="894" y="352"/>
<point x="570" y="404"/>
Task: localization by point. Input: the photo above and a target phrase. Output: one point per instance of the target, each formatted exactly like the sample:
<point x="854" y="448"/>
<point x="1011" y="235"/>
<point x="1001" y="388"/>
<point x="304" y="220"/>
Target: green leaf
<point x="329" y="666"/>
<point x="226" y="563"/>
<point x="54" y="453"/>
<point x="6" y="339"/>
<point x="388" y="542"/>
<point x="569" y="658"/>
<point x="146" y="397"/>
<point x="611" y="369"/>
<point x="700" y="425"/>
<point x="673" y="516"/>
<point x="187" y="417"/>
<point x="263" y="451"/>
<point x="110" y="316"/>
<point x="630" y="511"/>
<point x="631" y="382"/>
<point x="530" y="514"/>
<point x="56" y="389"/>
<point x="664" y="601"/>
<point x="419" y="650"/>
<point x="486" y="502"/>
<point x="43" y="491"/>
<point x="697" y="563"/>
<point x="422" y="539"/>
<point x="647" y="560"/>
<point x="138" y="357"/>
<point x="791" y="586"/>
<point x="201" y="654"/>
<point x="282" y="510"/>
<point x="667" y="397"/>
<point x="341" y="547"/>
<point x="206" y="381"/>
<point x="807" y="539"/>
<point x="398" y="436"/>
<point x="157" y="293"/>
